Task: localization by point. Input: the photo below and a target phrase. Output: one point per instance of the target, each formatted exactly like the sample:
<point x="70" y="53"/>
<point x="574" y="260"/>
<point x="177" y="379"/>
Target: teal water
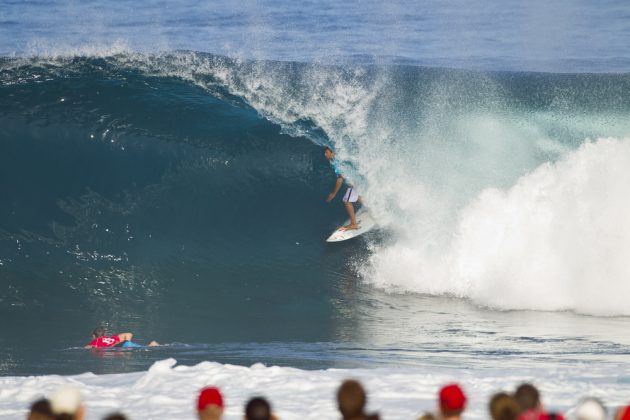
<point x="166" y="195"/>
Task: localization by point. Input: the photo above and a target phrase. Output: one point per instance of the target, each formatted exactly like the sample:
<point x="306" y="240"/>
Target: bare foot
<point x="154" y="344"/>
<point x="349" y="227"/>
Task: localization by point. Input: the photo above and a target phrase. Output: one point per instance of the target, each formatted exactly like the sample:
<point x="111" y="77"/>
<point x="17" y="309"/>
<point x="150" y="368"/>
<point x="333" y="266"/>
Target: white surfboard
<point x="365" y="222"/>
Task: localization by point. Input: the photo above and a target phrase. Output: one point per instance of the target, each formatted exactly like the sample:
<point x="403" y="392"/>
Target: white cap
<point x="66" y="400"/>
<point x="590" y="409"/>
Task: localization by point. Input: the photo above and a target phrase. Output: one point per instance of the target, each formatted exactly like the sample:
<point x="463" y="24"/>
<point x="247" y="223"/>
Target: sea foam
<point x="558" y="239"/>
<point x="170" y="391"/>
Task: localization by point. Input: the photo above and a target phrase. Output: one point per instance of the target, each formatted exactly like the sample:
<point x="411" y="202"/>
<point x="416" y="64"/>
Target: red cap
<point x="209" y="396"/>
<point x="452" y="398"/>
<point x="625" y="413"/>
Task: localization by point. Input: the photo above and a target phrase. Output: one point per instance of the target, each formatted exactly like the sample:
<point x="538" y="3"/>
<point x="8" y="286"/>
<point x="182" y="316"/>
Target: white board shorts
<point x="351" y="195"/>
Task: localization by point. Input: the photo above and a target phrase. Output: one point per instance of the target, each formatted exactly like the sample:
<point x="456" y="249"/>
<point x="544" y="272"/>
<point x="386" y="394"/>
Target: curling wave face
<point x="119" y="168"/>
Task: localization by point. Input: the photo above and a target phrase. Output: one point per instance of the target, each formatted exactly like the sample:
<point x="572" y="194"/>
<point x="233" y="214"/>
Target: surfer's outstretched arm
<point x="338" y="185"/>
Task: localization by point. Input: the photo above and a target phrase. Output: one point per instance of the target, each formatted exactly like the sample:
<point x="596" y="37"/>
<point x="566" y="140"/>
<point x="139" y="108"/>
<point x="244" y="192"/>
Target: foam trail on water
<point x="558" y="239"/>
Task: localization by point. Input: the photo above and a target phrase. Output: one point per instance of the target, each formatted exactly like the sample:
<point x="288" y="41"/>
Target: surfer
<point x="351" y="195"/>
<point x="100" y="340"/>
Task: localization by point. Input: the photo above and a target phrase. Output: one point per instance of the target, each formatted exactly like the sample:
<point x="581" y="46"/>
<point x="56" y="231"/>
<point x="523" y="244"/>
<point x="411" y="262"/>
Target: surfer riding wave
<point x="351" y="195"/>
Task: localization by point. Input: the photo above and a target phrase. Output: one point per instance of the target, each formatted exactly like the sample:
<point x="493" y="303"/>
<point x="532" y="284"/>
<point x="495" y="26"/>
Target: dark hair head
<point x="258" y="409"/>
<point x="503" y="407"/>
<point x="328" y="149"/>
<point x="527" y="397"/>
<point x="65" y="416"/>
<point x="41" y="409"/>
<point x="351" y="399"/>
<point x="98" y="332"/>
<point x="116" y="416"/>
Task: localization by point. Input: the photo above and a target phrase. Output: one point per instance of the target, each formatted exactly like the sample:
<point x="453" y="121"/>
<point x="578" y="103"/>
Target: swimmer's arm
<point x="125" y="337"/>
<point x="338" y="185"/>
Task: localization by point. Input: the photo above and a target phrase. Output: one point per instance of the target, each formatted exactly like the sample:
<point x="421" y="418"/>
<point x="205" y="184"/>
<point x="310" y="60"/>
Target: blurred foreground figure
<point x="503" y="406"/>
<point x="351" y="400"/>
<point x="590" y="409"/>
<point x="210" y="404"/>
<point x="66" y="404"/>
<point x="258" y="408"/>
<point x="452" y="402"/>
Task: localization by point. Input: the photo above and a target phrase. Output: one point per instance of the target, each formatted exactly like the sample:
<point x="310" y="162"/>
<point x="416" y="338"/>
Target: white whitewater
<point x="169" y="391"/>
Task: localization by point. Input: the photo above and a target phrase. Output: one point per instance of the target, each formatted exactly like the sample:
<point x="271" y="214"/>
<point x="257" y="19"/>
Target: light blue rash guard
<point x="347" y="168"/>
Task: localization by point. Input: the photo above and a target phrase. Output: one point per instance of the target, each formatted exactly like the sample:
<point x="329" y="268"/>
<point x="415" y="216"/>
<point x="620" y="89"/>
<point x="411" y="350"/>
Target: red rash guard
<point x="109" y="341"/>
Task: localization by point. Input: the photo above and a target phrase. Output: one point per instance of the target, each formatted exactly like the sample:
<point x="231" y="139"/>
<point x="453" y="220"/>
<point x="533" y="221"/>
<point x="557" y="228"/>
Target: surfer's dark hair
<point x="99" y="331"/>
<point x="329" y="149"/>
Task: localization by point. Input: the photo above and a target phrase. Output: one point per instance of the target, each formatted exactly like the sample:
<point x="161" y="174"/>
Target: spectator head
<point x="116" y="416"/>
<point x="623" y="413"/>
<point x="527" y="397"/>
<point x="210" y="404"/>
<point x="503" y="407"/>
<point x="66" y="404"/>
<point x="40" y="410"/>
<point x="590" y="409"/>
<point x="98" y="332"/>
<point x="351" y="399"/>
<point x="258" y="408"/>
<point x="452" y="401"/>
<point x="551" y="416"/>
